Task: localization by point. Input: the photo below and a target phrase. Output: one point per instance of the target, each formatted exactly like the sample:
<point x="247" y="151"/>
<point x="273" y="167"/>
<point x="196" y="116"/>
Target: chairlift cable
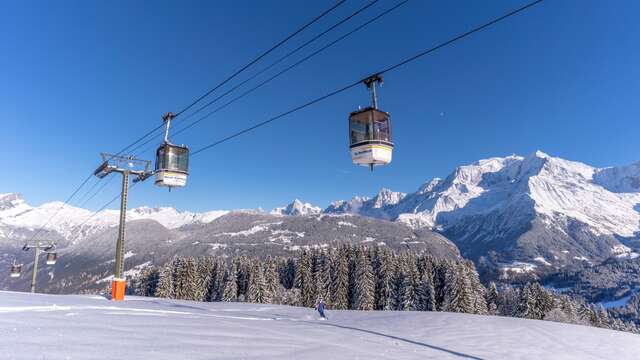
<point x="188" y="107"/>
<point x="86" y="193"/>
<point x="386" y="70"/>
<point x="274" y="47"/>
<point x="360" y="10"/>
<point x="290" y="67"/>
<point x="97" y="191"/>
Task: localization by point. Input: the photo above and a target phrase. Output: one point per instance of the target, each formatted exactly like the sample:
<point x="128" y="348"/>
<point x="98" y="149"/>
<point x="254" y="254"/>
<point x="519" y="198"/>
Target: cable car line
<point x="461" y="36"/>
<point x="84" y="196"/>
<point x="274" y="47"/>
<point x="377" y="74"/>
<point x="365" y="7"/>
<point x="275" y="118"/>
<point x="150" y="132"/>
<point x="75" y="192"/>
<point x="345" y="88"/>
<point x="273" y="77"/>
<point x="107" y="204"/>
<point x="97" y="191"/>
<point x="235" y="87"/>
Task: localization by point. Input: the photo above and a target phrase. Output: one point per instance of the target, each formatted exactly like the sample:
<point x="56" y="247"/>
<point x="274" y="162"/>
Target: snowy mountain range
<point x="520" y="213"/>
<point x="537" y="208"/>
<point x="86" y="244"/>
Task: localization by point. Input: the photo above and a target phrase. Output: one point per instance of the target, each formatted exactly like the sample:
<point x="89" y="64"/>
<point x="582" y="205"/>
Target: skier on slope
<point x="320" y="307"/>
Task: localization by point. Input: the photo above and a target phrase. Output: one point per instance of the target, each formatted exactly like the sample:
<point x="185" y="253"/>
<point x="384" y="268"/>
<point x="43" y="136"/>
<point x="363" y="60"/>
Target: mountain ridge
<point x="540" y="209"/>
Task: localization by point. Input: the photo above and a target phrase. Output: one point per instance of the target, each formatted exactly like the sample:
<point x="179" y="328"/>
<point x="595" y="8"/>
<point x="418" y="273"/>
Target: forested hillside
<point x="361" y="278"/>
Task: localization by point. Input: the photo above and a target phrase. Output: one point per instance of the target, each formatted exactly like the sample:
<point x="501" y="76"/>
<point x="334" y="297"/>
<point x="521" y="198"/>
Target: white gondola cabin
<point x="370" y="133"/>
<point x="172" y="161"/>
<point x="51" y="258"/>
<point x="16" y="269"/>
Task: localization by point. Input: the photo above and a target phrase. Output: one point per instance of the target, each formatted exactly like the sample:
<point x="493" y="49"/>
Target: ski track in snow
<point x="90" y="327"/>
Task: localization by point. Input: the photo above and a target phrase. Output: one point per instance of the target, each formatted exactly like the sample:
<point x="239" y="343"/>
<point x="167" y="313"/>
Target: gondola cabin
<point x="51" y="258"/>
<point x="172" y="165"/>
<point x="370" y="137"/>
<point x="16" y="269"/>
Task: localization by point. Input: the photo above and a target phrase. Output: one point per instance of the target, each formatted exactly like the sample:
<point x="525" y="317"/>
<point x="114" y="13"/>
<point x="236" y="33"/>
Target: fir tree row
<point x="348" y="277"/>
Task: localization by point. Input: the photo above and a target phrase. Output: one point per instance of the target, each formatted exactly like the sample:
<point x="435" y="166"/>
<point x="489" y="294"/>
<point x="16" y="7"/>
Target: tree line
<point x="353" y="277"/>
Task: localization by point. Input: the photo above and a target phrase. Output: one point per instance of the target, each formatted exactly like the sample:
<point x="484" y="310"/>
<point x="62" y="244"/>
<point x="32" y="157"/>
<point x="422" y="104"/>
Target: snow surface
<point x="91" y="327"/>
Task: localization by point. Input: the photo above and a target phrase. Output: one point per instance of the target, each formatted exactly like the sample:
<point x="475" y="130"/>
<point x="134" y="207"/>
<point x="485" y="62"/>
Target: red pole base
<point x="118" y="287"/>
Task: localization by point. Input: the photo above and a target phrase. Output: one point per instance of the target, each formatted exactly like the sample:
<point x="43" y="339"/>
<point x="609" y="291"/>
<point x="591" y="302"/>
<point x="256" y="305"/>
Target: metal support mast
<point x="38" y="246"/>
<point x="119" y="270"/>
<point x="125" y="165"/>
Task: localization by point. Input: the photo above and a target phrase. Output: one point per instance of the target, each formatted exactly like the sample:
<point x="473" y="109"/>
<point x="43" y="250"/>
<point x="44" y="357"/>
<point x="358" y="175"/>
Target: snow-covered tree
<point x="272" y="282"/>
<point x="365" y="285"/>
<point x="147" y="282"/>
<point x="412" y="291"/>
<point x="322" y="277"/>
<point x="230" y="293"/>
<point x="384" y="280"/>
<point x="205" y="267"/>
<point x="304" y="280"/>
<point x="165" y="287"/>
<point x="257" y="291"/>
<point x="427" y="292"/>
<point x="492" y="298"/>
<point x="340" y="281"/>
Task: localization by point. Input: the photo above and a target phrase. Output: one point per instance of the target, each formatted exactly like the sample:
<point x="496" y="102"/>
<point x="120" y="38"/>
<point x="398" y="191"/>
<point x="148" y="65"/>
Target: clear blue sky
<point x="78" y="78"/>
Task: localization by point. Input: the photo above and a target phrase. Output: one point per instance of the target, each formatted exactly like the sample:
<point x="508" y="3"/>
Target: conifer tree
<point x="427" y="291"/>
<point x="603" y="317"/>
<point x="492" y="298"/>
<point x="218" y="273"/>
<point x="304" y="280"/>
<point x="340" y="281"/>
<point x="244" y="271"/>
<point x="147" y="282"/>
<point x="527" y="308"/>
<point x="256" y="292"/>
<point x="203" y="278"/>
<point x="180" y="279"/>
<point x="457" y="289"/>
<point x="384" y="280"/>
<point x="396" y="297"/>
<point x="476" y="290"/>
<point x="365" y="285"/>
<point x="439" y="283"/>
<point x="412" y="295"/>
<point x="230" y="293"/>
<point x="323" y="279"/>
<point x="165" y="287"/>
<point x="287" y="273"/>
<point x="272" y="281"/>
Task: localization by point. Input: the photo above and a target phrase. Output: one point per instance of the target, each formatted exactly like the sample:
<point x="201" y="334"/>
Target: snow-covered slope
<point x="536" y="206"/>
<point x="91" y="327"/>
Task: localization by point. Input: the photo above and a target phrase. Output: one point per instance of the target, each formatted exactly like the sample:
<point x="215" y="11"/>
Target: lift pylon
<point x="125" y="165"/>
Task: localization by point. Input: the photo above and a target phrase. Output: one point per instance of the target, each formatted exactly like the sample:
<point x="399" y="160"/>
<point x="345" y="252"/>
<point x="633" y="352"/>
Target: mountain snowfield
<point x="38" y="326"/>
<point x="516" y="204"/>
<point x="522" y="213"/>
<point x="73" y="223"/>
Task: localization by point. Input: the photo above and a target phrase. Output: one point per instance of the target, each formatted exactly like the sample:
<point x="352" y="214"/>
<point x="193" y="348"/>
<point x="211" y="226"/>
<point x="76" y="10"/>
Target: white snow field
<point x="91" y="327"/>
